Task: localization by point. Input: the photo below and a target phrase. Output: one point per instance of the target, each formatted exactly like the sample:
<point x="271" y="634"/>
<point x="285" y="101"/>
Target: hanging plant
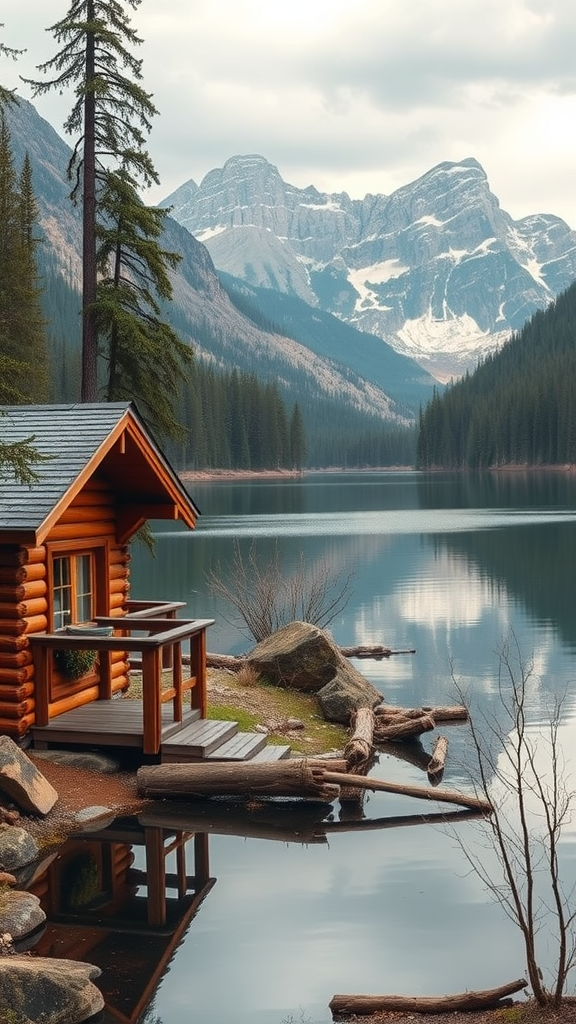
<point x="74" y="664"/>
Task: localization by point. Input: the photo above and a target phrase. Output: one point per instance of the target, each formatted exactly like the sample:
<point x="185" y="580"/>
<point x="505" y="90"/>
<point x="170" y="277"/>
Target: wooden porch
<point x="160" y="726"/>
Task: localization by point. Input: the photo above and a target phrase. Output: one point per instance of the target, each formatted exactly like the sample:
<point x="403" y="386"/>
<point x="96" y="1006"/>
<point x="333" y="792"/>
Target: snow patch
<point x="202" y="236"/>
<point x="430" y="221"/>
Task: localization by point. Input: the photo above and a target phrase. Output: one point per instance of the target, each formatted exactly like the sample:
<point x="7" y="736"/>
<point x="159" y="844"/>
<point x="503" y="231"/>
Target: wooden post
<point x="151" y="700"/>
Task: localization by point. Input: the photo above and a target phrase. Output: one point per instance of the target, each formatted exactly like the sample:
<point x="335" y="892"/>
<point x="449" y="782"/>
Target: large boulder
<point x="17" y="848"/>
<point x="303" y="657"/>
<point x="21" y="780"/>
<point x="34" y="989"/>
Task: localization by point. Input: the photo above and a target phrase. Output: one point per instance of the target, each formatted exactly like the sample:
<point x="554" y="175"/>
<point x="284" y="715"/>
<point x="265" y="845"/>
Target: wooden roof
<point x="79" y="440"/>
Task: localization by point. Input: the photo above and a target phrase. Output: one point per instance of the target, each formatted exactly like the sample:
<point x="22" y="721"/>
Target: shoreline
<point x="207" y="475"/>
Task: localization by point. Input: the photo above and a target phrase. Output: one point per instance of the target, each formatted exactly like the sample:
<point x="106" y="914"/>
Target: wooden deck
<point x="119" y="723"/>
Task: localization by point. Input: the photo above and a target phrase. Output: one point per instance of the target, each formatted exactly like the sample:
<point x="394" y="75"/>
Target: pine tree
<point x="7" y="95"/>
<point x="144" y="357"/>
<point x="297" y="439"/>
<point x="23" y="353"/>
<point x="111" y="114"/>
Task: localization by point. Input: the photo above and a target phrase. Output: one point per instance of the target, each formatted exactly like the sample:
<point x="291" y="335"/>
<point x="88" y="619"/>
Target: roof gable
<point x="78" y="440"/>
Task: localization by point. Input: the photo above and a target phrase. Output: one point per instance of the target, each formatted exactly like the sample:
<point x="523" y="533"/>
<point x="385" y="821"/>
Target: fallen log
<point x="440" y="713"/>
<point x="420" y="792"/>
<point x="358" y="750"/>
<point x="376" y="651"/>
<point x="294" y="777"/>
<point x="402" y="728"/>
<point x="487" y="999"/>
<point x="437" y="763"/>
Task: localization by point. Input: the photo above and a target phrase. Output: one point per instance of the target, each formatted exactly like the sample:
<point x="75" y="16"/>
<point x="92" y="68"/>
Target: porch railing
<point x="149" y="629"/>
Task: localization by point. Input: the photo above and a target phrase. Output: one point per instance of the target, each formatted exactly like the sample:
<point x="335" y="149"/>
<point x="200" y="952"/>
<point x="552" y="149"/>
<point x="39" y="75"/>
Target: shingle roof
<point x="71" y="436"/>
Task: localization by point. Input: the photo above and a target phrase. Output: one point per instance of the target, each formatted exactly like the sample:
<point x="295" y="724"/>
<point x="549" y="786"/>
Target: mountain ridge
<point x="437" y="268"/>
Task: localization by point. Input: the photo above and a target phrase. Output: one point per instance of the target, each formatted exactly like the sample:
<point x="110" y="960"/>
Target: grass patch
<point x="226" y="713"/>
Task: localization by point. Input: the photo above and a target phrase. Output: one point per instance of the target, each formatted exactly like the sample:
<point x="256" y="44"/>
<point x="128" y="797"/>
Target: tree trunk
<point x="379" y="785"/>
<point x="435" y="769"/>
<point x="358" y="750"/>
<point x="483" y="1000"/>
<point x="294" y="777"/>
<point x="405" y="728"/>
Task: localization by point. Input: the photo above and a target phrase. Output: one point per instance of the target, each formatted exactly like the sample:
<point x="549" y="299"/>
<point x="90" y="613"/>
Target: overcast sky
<point x="349" y="95"/>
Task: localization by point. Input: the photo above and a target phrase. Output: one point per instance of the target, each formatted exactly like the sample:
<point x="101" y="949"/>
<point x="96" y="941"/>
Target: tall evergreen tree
<point x="111" y="117"/>
<point x="23" y="353"/>
<point x="7" y="95"/>
<point x="145" y="359"/>
<point x="297" y="439"/>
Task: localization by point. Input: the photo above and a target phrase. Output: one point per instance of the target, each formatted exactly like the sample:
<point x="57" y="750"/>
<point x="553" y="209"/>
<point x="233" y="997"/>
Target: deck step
<point x="198" y="740"/>
<point x="273" y="752"/>
<point x="242" y="747"/>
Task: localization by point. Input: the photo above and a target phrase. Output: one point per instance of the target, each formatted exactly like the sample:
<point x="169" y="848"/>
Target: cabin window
<point x="73" y="589"/>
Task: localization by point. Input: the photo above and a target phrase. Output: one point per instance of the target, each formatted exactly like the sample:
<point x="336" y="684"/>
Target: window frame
<point x="98" y="574"/>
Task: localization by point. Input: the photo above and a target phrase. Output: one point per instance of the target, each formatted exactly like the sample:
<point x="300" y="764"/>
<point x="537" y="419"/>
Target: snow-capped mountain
<point x="367" y="377"/>
<point x="437" y="269"/>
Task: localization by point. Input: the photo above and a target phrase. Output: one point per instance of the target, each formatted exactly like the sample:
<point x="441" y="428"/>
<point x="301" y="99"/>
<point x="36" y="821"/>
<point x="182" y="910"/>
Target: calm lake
<point x="450" y="566"/>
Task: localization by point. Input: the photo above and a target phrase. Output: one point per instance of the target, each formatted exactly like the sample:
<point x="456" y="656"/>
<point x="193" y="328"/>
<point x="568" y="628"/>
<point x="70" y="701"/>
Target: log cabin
<point x="64" y="562"/>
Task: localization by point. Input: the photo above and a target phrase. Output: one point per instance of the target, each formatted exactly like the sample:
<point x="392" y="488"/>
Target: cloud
<point x="352" y="95"/>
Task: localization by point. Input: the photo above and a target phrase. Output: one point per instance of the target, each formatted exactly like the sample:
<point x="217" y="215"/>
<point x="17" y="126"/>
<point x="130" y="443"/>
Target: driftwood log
<point x="401" y="728"/>
<point x="449" y="796"/>
<point x="293" y="777"/>
<point x="440" y="713"/>
<point x="487" y="999"/>
<point x="358" y="750"/>
<point x="233" y="663"/>
<point x="437" y="763"/>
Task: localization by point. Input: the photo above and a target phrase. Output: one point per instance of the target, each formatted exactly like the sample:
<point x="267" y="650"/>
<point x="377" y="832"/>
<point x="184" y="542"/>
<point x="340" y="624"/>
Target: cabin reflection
<point x="122" y="899"/>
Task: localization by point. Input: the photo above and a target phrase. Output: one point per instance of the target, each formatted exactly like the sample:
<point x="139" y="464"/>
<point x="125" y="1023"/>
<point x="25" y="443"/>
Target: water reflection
<point x="111" y="900"/>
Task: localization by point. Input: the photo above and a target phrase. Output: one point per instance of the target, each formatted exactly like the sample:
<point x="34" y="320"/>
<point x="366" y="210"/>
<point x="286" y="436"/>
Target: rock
<point x="298" y="656"/>
<point x="92" y="819"/>
<point x="20" y="913"/>
<point x="7" y="879"/>
<point x="346" y="693"/>
<point x="17" y="848"/>
<point x="303" y="657"/>
<point x="22" y="781"/>
<point x="37" y="989"/>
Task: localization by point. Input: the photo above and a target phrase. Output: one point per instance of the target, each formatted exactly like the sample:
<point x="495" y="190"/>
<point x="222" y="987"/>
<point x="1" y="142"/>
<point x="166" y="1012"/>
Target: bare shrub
<point x="248" y="675"/>
<point x="265" y="599"/>
<point x="521" y="771"/>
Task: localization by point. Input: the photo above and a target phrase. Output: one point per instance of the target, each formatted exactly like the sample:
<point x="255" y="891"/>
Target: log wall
<point x="24" y="606"/>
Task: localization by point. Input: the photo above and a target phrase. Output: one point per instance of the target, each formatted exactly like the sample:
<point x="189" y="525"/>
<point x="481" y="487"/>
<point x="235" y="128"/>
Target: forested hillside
<point x="518" y="407"/>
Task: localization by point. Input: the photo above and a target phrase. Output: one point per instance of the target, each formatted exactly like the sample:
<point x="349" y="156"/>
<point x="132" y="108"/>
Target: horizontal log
<point x="25" y="707"/>
<point x="14" y="593"/>
<point x="12" y="644"/>
<point x="17" y="693"/>
<point x="483" y="1000"/>
<point x="15" y="659"/>
<point x="16" y="555"/>
<point x="16" y="726"/>
<point x="76" y="700"/>
<point x="83" y="514"/>
<point x="402" y="729"/>
<point x="294" y="777"/>
<point x="23" y="609"/>
<point x="419" y="792"/>
<point x="440" y="713"/>
<point x="17" y="575"/>
<point x="36" y="624"/>
<point x="73" y="531"/>
<point x="16" y="676"/>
